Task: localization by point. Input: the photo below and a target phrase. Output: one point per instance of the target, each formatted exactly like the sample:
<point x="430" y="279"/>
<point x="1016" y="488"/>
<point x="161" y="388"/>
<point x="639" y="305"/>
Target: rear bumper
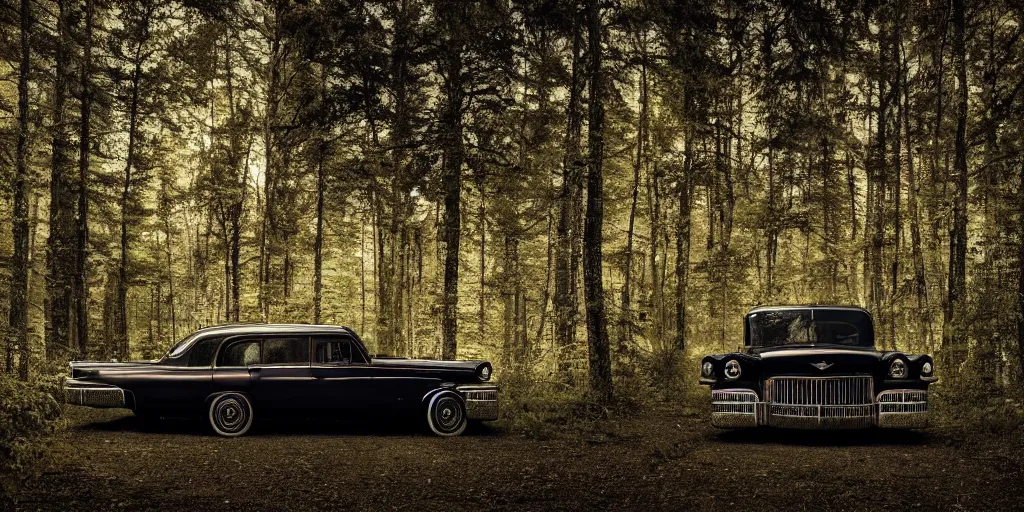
<point x="740" y="408"/>
<point x="481" y="401"/>
<point x="91" y="394"/>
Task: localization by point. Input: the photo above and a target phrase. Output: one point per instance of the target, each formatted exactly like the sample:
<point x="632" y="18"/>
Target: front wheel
<point x="230" y="414"/>
<point x="446" y="414"/>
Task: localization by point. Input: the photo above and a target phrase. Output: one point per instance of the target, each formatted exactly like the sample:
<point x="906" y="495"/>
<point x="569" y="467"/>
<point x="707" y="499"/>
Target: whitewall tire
<point x="446" y="414"/>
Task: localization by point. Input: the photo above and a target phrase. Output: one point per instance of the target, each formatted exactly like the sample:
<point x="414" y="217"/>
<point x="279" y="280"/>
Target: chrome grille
<point x="488" y="395"/>
<point x="903" y="400"/>
<point x="853" y="390"/>
<point x="733" y="401"/>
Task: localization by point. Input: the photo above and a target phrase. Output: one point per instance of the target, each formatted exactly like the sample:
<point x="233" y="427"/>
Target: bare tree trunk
<point x="958" y="233"/>
<point x="641" y="154"/>
<point x="920" y="284"/>
<point x="362" y="277"/>
<point x="454" y="154"/>
<point x="657" y="299"/>
<point x="170" y="278"/>
<point x="682" y="269"/>
<point x="1020" y="272"/>
<point x="123" y="341"/>
<point x="546" y="294"/>
<point x="84" y="139"/>
<point x="17" y="336"/>
<point x="565" y="302"/>
<point x="318" y="241"/>
<point x="483" y="256"/>
<point x="63" y="231"/>
<point x="597" y="329"/>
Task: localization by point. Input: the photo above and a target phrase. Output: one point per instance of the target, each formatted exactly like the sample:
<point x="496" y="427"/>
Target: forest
<point x="589" y="191"/>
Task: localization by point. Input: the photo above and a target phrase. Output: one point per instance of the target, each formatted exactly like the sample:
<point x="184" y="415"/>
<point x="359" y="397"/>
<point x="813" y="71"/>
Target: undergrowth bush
<point x="30" y="413"/>
<point x="542" y="404"/>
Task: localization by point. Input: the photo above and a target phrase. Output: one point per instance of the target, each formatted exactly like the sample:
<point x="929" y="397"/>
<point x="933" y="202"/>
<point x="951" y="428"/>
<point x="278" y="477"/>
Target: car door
<point x="341" y="376"/>
<point x="236" y="355"/>
<point x="282" y="379"/>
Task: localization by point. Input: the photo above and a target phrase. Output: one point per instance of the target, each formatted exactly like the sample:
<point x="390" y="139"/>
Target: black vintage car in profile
<point x="230" y="374"/>
<point x="816" y="367"/>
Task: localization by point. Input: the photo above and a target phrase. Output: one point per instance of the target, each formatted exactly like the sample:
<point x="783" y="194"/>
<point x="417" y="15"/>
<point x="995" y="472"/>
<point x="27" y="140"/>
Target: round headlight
<point x="707" y="369"/>
<point x="485" y="373"/>
<point x="732" y="370"/>
<point x="927" y="368"/>
<point x="898" y="369"/>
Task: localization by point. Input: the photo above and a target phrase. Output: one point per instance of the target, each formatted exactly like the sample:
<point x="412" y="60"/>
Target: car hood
<point x="818" y="361"/>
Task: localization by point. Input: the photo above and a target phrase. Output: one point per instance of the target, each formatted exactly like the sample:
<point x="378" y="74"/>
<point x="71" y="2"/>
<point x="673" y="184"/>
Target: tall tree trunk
<point x="641" y="153"/>
<point x="657" y="298"/>
<point x="685" y="188"/>
<point x="597" y="329"/>
<point x="546" y="294"/>
<point x="362" y="277"/>
<point x="483" y="256"/>
<point x="454" y="154"/>
<point x="17" y="335"/>
<point x="916" y="255"/>
<point x="1020" y="269"/>
<point x="318" y="241"/>
<point x="63" y="231"/>
<point x="121" y="317"/>
<point x="879" y="173"/>
<point x="565" y="302"/>
<point x="81" y="285"/>
<point x="958" y="232"/>
<point x="268" y="233"/>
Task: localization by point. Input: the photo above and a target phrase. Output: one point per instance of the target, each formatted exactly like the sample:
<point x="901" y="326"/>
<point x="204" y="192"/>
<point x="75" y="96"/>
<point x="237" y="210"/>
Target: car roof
<point x="242" y="329"/>
<point x="808" y="306"/>
<point x="261" y="328"/>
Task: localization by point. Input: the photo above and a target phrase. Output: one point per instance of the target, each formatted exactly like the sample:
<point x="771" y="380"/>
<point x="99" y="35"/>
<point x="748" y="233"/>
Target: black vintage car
<point x="231" y="373"/>
<point x="815" y="367"/>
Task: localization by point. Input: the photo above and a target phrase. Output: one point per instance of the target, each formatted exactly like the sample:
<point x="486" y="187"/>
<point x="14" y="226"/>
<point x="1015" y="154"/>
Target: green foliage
<point x="30" y="414"/>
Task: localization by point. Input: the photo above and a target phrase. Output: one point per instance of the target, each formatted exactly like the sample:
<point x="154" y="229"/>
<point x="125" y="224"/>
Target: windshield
<point x="180" y="347"/>
<point x="809" y="327"/>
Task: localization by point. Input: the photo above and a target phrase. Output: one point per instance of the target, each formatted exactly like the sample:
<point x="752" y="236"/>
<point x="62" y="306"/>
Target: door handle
<point x="254" y="372"/>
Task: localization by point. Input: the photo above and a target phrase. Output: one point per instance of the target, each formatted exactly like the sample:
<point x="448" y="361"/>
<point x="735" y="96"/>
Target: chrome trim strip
<point x="91" y="394"/>
<point x="734" y="408"/>
<point x="903" y="408"/>
<point x="481" y="401"/>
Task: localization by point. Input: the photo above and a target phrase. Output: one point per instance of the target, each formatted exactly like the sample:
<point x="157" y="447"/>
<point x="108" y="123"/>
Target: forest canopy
<point x="572" y="186"/>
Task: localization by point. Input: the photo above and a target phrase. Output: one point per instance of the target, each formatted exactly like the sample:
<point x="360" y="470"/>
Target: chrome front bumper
<point x="91" y="394"/>
<point x="481" y="401"/>
<point x="740" y="408"/>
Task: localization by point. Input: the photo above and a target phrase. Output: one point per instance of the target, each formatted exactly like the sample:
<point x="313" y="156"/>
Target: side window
<point x="240" y="353"/>
<point x="201" y="354"/>
<point x="286" y="350"/>
<point x="336" y="350"/>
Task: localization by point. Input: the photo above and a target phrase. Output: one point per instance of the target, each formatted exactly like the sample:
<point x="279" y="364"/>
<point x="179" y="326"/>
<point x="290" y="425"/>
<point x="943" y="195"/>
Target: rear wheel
<point x="446" y="414"/>
<point x="230" y="414"/>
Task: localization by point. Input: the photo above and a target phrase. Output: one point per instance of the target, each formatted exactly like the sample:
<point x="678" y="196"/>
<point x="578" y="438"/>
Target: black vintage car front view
<point x="815" y="367"/>
<point x="233" y="373"/>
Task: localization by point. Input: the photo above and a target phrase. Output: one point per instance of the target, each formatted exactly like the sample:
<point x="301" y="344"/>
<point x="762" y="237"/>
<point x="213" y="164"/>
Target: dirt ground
<point x="666" y="459"/>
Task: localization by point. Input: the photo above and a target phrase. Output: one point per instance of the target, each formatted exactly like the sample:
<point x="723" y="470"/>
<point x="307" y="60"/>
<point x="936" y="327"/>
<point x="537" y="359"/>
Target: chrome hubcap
<point x="231" y="414"/>
<point x="448" y="414"/>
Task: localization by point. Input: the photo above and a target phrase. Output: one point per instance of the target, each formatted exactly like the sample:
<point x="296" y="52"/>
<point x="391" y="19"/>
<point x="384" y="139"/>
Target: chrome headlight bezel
<point x="485" y="373"/>
<point x="707" y="370"/>
<point x="927" y="369"/>
<point x="733" y="369"/>
<point x="898" y="368"/>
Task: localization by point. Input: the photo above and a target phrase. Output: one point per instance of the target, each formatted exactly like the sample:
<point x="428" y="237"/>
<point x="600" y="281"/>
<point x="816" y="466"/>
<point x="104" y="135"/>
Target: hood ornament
<point x="822" y="365"/>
